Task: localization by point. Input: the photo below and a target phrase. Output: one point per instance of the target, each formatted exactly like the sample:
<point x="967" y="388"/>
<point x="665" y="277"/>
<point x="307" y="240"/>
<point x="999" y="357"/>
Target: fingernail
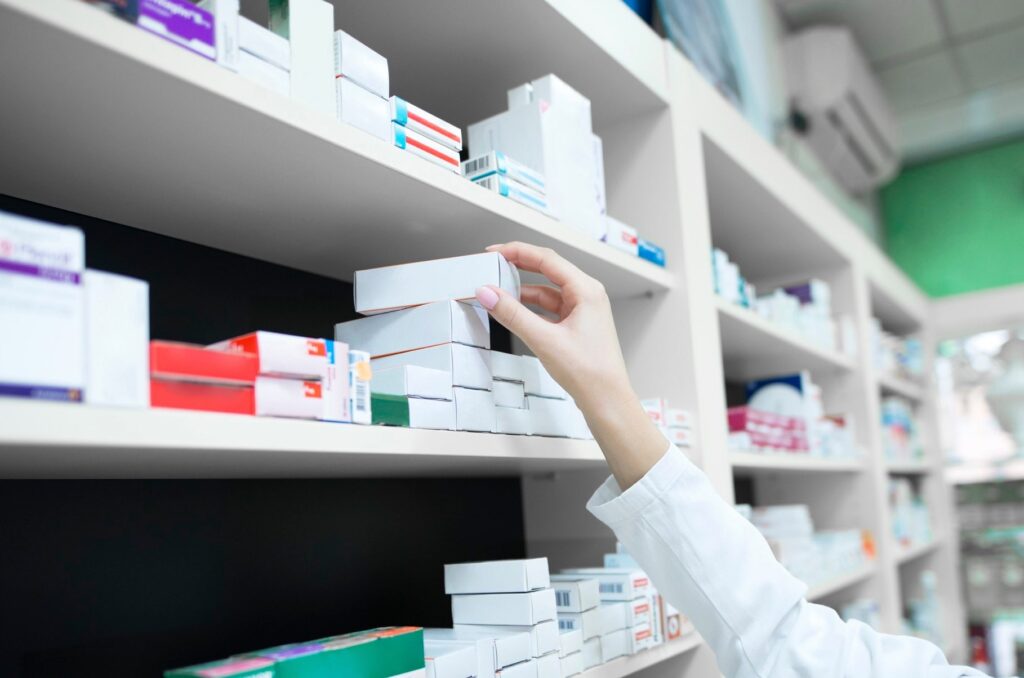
<point x="487" y="297"/>
<point x="492" y="247"/>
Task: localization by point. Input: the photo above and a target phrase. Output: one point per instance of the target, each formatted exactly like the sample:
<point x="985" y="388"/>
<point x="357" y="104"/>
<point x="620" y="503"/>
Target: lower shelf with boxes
<point x="510" y="619"/>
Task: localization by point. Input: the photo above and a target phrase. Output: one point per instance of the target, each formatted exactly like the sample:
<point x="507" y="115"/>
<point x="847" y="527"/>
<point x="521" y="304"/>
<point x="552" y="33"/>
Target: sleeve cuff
<point x="612" y="506"/>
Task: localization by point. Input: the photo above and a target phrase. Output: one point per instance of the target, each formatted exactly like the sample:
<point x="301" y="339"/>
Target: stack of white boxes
<point x="547" y="127"/>
<point x="509" y="388"/>
<point x="264" y="57"/>
<point x="676" y="424"/>
<point x="506" y="654"/>
<point x="625" y="610"/>
<point x="667" y="622"/>
<point x="580" y="621"/>
<point x="362" y="86"/>
<point x="428" y="136"/>
<point x="552" y="411"/>
<point x="497" y="172"/>
<point x="508" y="596"/>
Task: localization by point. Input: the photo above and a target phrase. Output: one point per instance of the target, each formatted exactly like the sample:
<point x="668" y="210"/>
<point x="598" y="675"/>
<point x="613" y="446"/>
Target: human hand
<point x="580" y="348"/>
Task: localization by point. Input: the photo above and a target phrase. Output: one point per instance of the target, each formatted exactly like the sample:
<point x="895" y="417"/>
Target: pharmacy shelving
<point x="216" y="160"/>
<point x="107" y="442"/>
<point x="755" y="347"/>
<point x="906" y="554"/>
<point x="627" y="666"/>
<point x="752" y="463"/>
<point x="318" y="195"/>
<point x="892" y="385"/>
<point x="844" y="581"/>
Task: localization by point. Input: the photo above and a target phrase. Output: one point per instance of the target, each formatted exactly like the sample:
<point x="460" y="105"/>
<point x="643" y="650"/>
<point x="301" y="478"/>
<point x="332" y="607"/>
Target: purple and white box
<point x="182" y="23"/>
<point x="42" y="310"/>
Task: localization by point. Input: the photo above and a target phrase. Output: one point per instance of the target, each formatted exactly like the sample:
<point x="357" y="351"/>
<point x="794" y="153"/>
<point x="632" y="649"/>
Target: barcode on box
<point x="490" y="183"/>
<point x="562" y="598"/>
<point x="566" y="624"/>
<point x="611" y="587"/>
<point x="482" y="163"/>
<point x="362" y="399"/>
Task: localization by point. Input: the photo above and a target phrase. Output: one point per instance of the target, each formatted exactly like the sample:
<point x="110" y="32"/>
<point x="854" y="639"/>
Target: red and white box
<point x="418" y="120"/>
<point x="184" y="395"/>
<point x="295" y="398"/>
<point x="623" y="584"/>
<point x="175" y="361"/>
<point x="282" y="355"/>
<point x="746" y="418"/>
<point x="418" y="144"/>
<point x="680" y="437"/>
<point x="655" y="409"/>
<point x="641" y="638"/>
<point x="621" y="236"/>
<point x="677" y="418"/>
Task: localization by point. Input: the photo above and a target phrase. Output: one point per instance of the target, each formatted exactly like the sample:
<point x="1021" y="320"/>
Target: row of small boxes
<point x="676" y="424"/>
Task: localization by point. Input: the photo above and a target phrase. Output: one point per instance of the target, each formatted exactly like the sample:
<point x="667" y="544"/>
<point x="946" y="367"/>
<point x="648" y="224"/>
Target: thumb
<point x="508" y="311"/>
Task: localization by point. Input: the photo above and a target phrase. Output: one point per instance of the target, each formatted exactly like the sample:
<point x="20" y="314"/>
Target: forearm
<point x="631" y="443"/>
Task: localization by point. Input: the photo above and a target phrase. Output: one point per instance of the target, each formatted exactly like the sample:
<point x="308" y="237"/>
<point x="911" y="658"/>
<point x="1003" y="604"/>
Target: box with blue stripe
<point x="498" y="163"/>
<point x="514" y="190"/>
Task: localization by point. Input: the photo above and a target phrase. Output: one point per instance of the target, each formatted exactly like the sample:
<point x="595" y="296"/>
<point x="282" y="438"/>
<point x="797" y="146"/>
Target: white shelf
<point x="626" y="666"/>
<point x="905" y="555"/>
<point x="839" y="583"/>
<point x="915" y="467"/>
<point x="753" y="347"/>
<point x="236" y="166"/>
<point x="59" y="440"/>
<point x="892" y="385"/>
<point x="795" y="463"/>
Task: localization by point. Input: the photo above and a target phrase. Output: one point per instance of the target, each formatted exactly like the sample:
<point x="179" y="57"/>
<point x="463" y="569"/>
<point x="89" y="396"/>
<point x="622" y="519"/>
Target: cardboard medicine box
<point x="543" y="636"/>
<point x="356" y="62"/>
<point x="360" y="374"/>
<point x="574" y="593"/>
<point x="615" y="644"/>
<point x="413" y="381"/>
<point x="242" y="667"/>
<point x="418" y="120"/>
<point x="41" y="294"/>
<point x="470" y="367"/>
<point x="263" y="73"/>
<point x="175" y="361"/>
<point x="621" y="236"/>
<point x="504" y="609"/>
<point x="180" y="22"/>
<point x="309" y="27"/>
<point x="396" y="410"/>
<point x="497" y="576"/>
<point x="508" y="394"/>
<point x="116" y="340"/>
<point x="447" y="660"/>
<point x="513" y="421"/>
<point x="570" y="641"/>
<point x="588" y="622"/>
<point x="225" y="26"/>
<point x="282" y="355"/>
<point x="539" y="382"/>
<point x="508" y="367"/>
<point x="507" y="645"/>
<point x="362" y="109"/>
<point x="296" y="398"/>
<point x="183" y="395"/>
<point x="428" y="149"/>
<point x="592" y="653"/>
<point x="550" y="417"/>
<point x="474" y="410"/>
<point x="483" y="648"/>
<point x="549" y="666"/>
<point x="617" y="584"/>
<point x="513" y="190"/>
<point x="432" y="324"/>
<point x="497" y="163"/>
<point x="641" y="637"/>
<point x="264" y="44"/>
<point x="572" y="664"/>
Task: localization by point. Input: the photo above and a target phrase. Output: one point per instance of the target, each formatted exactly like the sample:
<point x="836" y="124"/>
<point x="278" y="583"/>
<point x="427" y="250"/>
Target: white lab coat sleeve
<point x="713" y="565"/>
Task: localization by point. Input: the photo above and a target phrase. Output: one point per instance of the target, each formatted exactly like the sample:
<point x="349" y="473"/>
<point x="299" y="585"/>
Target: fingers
<point x="518" y="319"/>
<point x="540" y="260"/>
<point x="548" y="298"/>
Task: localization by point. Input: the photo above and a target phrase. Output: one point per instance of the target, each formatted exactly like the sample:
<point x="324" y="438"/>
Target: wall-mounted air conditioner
<point x="850" y="124"/>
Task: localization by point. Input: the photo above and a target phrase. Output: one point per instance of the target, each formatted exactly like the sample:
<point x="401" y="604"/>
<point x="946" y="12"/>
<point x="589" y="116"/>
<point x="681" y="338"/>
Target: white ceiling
<point x="951" y="68"/>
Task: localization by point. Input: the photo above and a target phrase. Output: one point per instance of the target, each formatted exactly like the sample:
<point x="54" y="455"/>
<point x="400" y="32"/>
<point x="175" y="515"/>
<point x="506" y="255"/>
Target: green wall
<point x="957" y="224"/>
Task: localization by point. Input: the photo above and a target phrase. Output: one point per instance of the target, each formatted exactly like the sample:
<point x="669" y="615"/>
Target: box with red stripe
<point x="420" y="145"/>
<point x="434" y="128"/>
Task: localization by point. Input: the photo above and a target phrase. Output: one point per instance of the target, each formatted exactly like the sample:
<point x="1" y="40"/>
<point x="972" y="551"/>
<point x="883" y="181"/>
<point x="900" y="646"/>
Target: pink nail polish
<point x="487" y="297"/>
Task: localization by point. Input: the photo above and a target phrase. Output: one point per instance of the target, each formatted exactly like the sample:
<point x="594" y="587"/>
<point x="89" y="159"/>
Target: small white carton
<point x="677" y="418"/>
<point x="497" y="163"/>
<point x="357" y="62"/>
<point x="296" y="398"/>
<point x="512" y="421"/>
<point x="572" y="664"/>
<point x="549" y="666"/>
<point x="621" y="236"/>
<point x="225" y="30"/>
<point x="41" y="294"/>
<point x="474" y="410"/>
<point x="600" y="196"/>
<point x="551" y="417"/>
<point x="641" y="637"/>
<point x="469" y="366"/>
<point x="508" y="393"/>
<point x="615" y="644"/>
<point x="360" y="375"/>
<point x="482" y="647"/>
<point x="264" y="44"/>
<point x="507" y="645"/>
<point x="543" y="635"/>
<point x="588" y="622"/>
<point x="513" y="190"/>
<point x="412" y="381"/>
<point x="613" y="616"/>
<point x="570" y="642"/>
<point x="337" y="399"/>
<point x="428" y="149"/>
<point x="116" y="340"/>
<point x="680" y="437"/>
<point x="438" y="415"/>
<point x="574" y="593"/>
<point x="538" y="381"/>
<point x="497" y="576"/>
<point x="264" y="73"/>
<point x="527" y="669"/>
<point x="508" y="367"/>
<point x="615" y="585"/>
<point x="378" y="290"/>
<point x="362" y="109"/>
<point x="447" y="660"/>
<point x="592" y="653"/>
<point x="440" y="322"/>
<point x="418" y="120"/>
<point x="505" y="609"/>
<point x="309" y="26"/>
<point x="282" y="355"/>
<point x="639" y="611"/>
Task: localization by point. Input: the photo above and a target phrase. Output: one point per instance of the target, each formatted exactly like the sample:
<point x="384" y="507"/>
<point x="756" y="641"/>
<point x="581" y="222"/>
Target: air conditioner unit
<point x="851" y="126"/>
